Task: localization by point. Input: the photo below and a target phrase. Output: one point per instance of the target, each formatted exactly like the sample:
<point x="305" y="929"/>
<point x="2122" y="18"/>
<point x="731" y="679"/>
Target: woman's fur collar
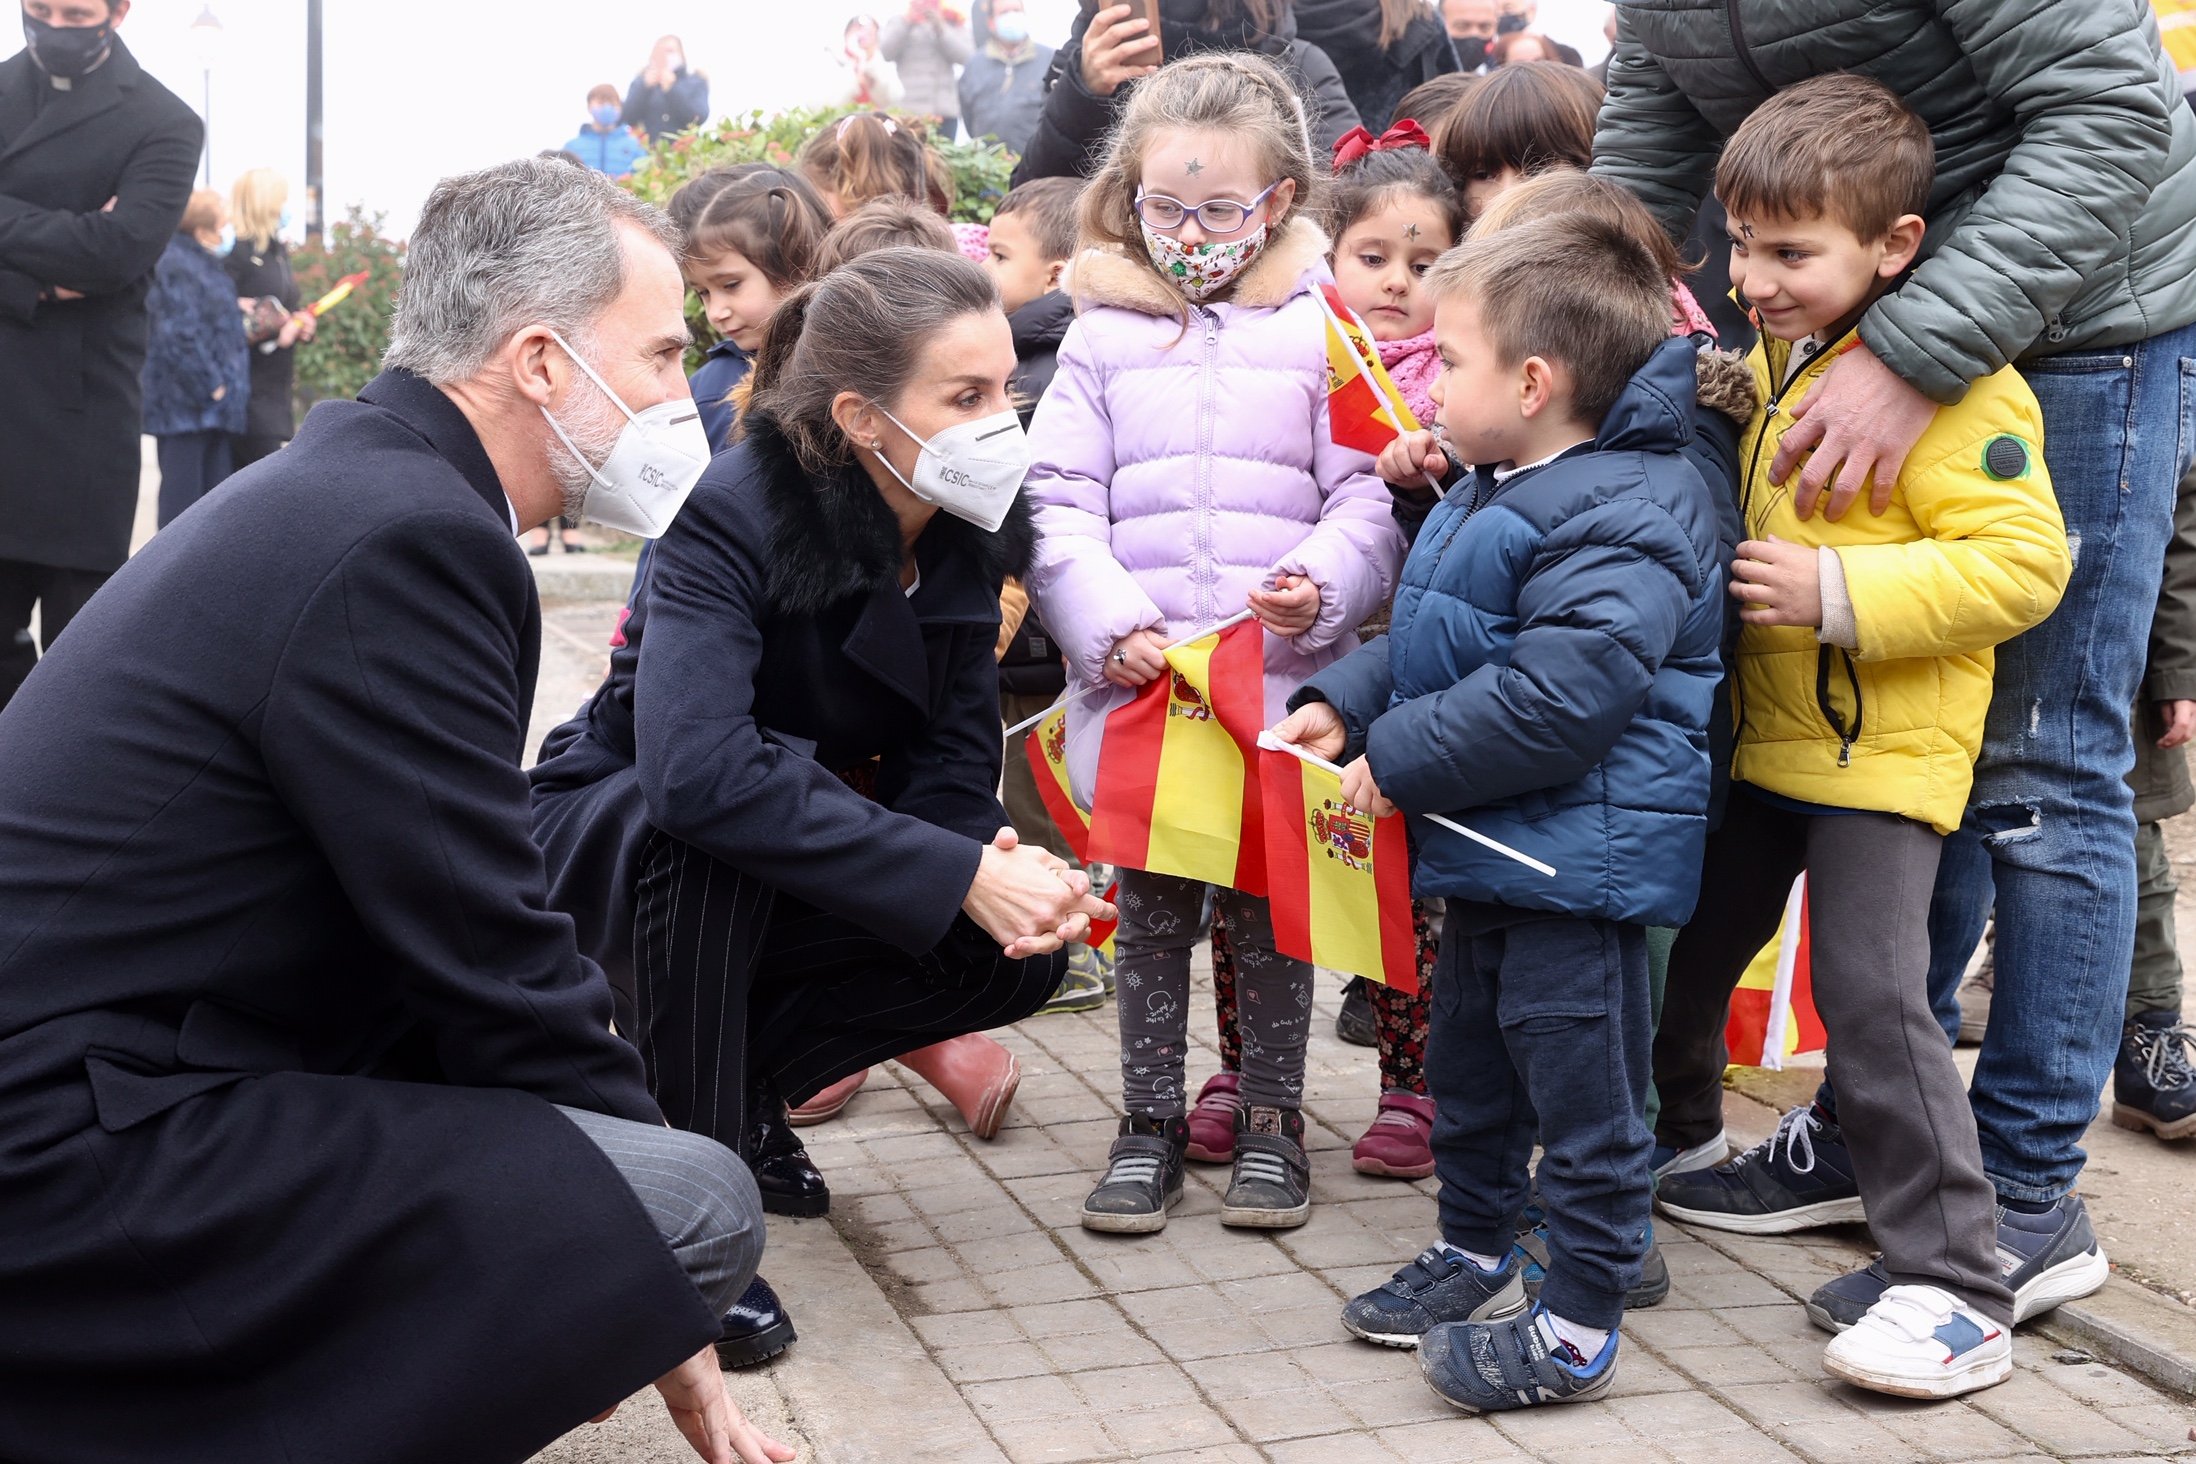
<point x="833" y="537"/>
<point x="1110" y="275"/>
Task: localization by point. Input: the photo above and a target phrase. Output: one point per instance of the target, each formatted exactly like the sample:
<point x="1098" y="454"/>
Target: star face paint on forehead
<point x="1410" y="231"/>
<point x="1747" y="230"/>
<point x="1195" y="167"/>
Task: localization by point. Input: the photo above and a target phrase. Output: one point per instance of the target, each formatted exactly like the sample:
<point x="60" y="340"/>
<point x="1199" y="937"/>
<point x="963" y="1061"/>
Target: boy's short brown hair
<point x="1047" y="208"/>
<point x="603" y="92"/>
<point x="1839" y="146"/>
<point x="883" y="223"/>
<point x="1571" y="288"/>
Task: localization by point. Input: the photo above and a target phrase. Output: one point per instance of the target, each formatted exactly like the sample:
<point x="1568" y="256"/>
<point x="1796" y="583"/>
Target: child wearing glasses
<point x="1183" y="471"/>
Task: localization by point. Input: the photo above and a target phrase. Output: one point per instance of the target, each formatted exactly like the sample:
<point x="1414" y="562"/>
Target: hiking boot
<point x="1491" y="1367"/>
<point x="1669" y="1159"/>
<point x="1921" y="1342"/>
<point x="1212" y="1119"/>
<point x="1354" y="1023"/>
<point x="1799" y="1177"/>
<point x="2046" y="1259"/>
<point x="1081" y="989"/>
<point x="1271" y="1186"/>
<point x="1440" y="1286"/>
<point x="1976" y="989"/>
<point x="1143" y="1178"/>
<point x="1399" y="1145"/>
<point x="2153" y="1087"/>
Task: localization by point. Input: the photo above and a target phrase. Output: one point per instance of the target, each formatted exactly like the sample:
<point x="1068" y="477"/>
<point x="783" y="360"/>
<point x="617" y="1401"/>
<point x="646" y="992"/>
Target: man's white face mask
<point x="649" y="470"/>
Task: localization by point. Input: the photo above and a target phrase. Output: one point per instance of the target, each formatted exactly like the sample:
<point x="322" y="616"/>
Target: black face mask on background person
<point x="1471" y="51"/>
<point x="1504" y="24"/>
<point x="66" y="50"/>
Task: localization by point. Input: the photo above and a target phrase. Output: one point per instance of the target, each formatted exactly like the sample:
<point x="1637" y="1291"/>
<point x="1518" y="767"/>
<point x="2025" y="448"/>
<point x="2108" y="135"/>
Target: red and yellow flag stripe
<point x="1046" y="749"/>
<point x="1177" y="788"/>
<point x="1340" y="879"/>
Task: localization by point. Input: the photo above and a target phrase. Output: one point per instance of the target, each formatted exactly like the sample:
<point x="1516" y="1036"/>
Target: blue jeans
<point x="1540" y="1026"/>
<point x="2051" y="822"/>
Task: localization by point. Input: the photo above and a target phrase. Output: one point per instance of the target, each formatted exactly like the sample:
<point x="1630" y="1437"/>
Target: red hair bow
<point x="1357" y="142"/>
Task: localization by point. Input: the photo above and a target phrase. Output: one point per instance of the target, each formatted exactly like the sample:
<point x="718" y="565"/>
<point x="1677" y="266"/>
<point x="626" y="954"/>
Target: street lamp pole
<point x="206" y="37"/>
<point x="314" y="214"/>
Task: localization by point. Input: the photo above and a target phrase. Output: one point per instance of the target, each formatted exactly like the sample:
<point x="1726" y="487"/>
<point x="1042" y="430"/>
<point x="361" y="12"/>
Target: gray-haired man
<point x="319" y="1142"/>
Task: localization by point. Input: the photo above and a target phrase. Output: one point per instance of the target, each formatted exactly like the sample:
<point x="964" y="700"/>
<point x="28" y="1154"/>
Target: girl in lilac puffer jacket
<point x="1184" y="471"/>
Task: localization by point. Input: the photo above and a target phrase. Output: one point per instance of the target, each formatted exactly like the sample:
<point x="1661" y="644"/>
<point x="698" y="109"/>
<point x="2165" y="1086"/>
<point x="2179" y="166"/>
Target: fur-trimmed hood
<point x="1110" y="275"/>
<point x="834" y="537"/>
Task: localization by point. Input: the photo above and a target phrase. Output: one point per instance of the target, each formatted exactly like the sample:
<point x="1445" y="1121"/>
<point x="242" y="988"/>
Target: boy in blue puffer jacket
<point x="1547" y="679"/>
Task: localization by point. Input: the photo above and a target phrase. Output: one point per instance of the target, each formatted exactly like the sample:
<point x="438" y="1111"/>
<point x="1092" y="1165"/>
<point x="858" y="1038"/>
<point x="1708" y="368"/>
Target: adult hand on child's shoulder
<point x="1317" y="728"/>
<point x="1778" y="583"/>
<point x="1362" y="792"/>
<point x="1856" y="424"/>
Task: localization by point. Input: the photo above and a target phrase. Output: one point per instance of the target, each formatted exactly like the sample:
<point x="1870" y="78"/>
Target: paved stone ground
<point x="951" y="1308"/>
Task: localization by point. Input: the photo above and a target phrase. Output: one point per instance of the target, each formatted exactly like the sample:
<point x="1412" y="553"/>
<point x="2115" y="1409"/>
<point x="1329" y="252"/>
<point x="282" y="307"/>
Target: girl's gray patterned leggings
<point x="1161" y="920"/>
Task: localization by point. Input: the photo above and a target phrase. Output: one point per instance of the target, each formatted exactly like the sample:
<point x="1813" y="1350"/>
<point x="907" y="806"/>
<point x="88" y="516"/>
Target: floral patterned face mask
<point x="1202" y="270"/>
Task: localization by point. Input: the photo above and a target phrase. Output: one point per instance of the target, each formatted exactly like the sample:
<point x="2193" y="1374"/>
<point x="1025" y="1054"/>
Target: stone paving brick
<point x="1146" y="1431"/>
<point x="954" y="1310"/>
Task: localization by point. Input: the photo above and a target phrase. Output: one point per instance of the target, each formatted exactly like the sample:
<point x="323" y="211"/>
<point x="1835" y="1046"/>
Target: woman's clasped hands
<point x="1029" y="900"/>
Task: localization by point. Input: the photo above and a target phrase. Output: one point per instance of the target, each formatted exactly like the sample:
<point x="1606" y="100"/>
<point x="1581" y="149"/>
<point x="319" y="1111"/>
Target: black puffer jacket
<point x="2064" y="212"/>
<point x="1073" y="128"/>
<point x="1349" y="32"/>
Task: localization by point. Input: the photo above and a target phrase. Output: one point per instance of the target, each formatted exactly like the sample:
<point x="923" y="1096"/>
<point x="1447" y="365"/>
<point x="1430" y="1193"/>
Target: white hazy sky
<point x="416" y="89"/>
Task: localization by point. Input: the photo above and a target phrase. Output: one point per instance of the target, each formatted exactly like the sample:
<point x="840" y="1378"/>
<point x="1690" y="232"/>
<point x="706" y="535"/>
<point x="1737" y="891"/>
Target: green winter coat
<point x="2061" y="216"/>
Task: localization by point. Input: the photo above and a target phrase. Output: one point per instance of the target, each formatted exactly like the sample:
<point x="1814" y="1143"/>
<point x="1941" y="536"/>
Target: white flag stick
<point x="1268" y="740"/>
<point x="1067" y="696"/>
<point x="1780" y="992"/>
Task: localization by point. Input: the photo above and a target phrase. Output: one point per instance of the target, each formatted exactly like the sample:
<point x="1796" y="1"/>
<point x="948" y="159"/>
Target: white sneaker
<point x="1921" y="1342"/>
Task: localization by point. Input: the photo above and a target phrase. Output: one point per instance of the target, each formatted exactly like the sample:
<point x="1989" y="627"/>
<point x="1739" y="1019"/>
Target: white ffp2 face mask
<point x="972" y="470"/>
<point x="659" y="455"/>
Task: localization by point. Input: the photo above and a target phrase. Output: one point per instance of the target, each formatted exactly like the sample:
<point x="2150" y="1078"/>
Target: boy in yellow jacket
<point x="1860" y="687"/>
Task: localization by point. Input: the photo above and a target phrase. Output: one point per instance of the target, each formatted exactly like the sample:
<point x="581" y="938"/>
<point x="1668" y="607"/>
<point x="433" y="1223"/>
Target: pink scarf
<point x="1413" y="363"/>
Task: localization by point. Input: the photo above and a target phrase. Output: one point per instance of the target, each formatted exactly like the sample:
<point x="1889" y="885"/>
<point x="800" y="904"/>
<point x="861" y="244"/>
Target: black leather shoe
<point x="756" y="1329"/>
<point x="790" y="1183"/>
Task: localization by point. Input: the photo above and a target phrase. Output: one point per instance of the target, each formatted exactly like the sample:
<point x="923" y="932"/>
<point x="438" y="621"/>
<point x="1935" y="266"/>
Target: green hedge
<point x="345" y="352"/>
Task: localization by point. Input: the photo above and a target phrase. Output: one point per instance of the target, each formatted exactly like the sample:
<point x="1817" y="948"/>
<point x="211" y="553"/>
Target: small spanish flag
<point x="1340" y="878"/>
<point x="1365" y="409"/>
<point x="1773" y="1013"/>
<point x="1046" y="749"/>
<point x="1177" y="789"/>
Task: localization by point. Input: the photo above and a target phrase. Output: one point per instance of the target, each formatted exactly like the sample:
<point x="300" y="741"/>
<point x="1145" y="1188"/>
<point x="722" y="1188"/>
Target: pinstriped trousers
<point x="700" y="1196"/>
<point x="738" y="986"/>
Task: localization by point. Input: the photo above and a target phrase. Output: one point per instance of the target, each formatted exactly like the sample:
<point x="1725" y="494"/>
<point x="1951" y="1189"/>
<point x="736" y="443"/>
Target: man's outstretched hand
<point x="694" y="1392"/>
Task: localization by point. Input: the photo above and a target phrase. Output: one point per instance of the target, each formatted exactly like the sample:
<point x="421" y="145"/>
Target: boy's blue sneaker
<point x="1531" y="1250"/>
<point x="1799" y="1177"/>
<point x="1435" y="1288"/>
<point x="1490" y="1367"/>
<point x="2048" y="1259"/>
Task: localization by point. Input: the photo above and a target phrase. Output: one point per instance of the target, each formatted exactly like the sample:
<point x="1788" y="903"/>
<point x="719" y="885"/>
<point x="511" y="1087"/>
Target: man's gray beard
<point x="594" y="429"/>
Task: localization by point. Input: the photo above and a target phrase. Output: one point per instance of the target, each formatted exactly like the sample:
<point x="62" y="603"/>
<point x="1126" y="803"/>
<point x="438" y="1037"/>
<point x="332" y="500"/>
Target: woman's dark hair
<point x="1369" y="183"/>
<point x="1529" y="117"/>
<point x="867" y="155"/>
<point x="882" y="223"/>
<point x="862" y="328"/>
<point x="769" y="214"/>
<point x="1430" y="102"/>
